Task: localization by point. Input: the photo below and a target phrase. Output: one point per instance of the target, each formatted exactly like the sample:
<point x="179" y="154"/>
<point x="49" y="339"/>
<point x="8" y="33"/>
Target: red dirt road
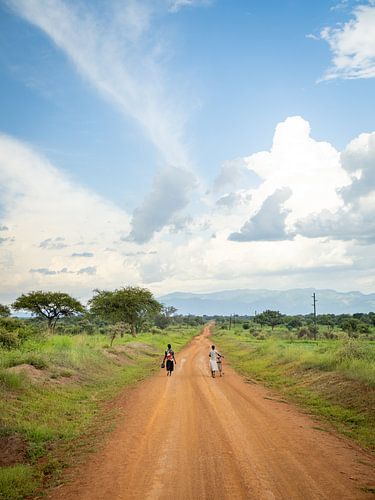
<point x="194" y="437"/>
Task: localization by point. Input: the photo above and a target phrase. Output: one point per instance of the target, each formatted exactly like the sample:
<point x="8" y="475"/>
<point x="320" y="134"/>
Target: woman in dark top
<point x="171" y="360"/>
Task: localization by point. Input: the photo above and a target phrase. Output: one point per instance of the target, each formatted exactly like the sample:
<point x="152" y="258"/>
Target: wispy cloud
<point x="120" y="59"/>
<point x="352" y="45"/>
<point x="176" y="5"/>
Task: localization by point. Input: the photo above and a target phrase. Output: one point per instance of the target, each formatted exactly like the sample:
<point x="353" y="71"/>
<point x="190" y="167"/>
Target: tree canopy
<point x="130" y="304"/>
<point x="4" y="311"/>
<point x="51" y="306"/>
<point x="270" y="318"/>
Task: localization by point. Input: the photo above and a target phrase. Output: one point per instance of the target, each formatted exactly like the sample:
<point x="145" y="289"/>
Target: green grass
<point x="79" y="376"/>
<point x="17" y="482"/>
<point x="334" y="380"/>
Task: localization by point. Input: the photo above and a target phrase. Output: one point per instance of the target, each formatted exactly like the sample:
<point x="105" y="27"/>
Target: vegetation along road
<point x="193" y="437"/>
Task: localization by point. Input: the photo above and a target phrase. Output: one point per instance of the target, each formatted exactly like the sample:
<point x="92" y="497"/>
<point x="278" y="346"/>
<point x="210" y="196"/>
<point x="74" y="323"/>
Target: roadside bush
<point x="245" y="326"/>
<point x="352" y="349"/>
<point x="155" y="331"/>
<point x="9" y="339"/>
<point x="305" y="333"/>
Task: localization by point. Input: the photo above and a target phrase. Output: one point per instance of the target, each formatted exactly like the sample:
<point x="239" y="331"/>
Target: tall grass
<point x="333" y="379"/>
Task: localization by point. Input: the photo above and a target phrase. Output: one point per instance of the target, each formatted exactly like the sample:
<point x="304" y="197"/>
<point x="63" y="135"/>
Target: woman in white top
<point x="213" y="363"/>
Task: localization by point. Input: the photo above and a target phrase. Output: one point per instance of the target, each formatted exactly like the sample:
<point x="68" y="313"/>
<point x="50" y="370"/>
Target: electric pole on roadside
<point x="230" y="322"/>
<point x="314" y="306"/>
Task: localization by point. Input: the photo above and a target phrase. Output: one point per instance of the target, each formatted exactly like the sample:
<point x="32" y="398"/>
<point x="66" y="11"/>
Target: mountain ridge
<point x="249" y="301"/>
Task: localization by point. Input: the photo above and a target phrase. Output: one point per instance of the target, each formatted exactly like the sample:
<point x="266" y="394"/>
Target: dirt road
<point x="194" y="437"/>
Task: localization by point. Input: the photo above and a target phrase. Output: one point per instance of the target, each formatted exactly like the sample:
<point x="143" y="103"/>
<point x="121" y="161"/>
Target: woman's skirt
<point x="213" y="365"/>
<point x="169" y="365"/>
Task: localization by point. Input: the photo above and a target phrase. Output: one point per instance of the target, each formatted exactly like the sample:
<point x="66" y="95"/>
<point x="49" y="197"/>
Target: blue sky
<point x="145" y="106"/>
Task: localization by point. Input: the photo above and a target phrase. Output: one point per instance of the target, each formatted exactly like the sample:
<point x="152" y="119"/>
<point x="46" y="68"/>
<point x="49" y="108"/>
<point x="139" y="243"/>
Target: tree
<point x="270" y="318"/>
<point x="349" y="325"/>
<point x="164" y="318"/>
<point x="131" y="305"/>
<point x="293" y="322"/>
<point x="4" y="311"/>
<point x="51" y="306"/>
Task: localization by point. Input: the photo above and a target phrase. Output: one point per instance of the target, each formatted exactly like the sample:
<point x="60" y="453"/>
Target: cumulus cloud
<point x="169" y="194"/>
<point x="311" y="169"/>
<point x="82" y="254"/>
<point x="345" y="224"/>
<point x="234" y="174"/>
<point x="269" y="223"/>
<point x="4" y="228"/>
<point x="356" y="219"/>
<point x="233" y="199"/>
<point x="358" y="159"/>
<point x="352" y="45"/>
<point x="300" y="179"/>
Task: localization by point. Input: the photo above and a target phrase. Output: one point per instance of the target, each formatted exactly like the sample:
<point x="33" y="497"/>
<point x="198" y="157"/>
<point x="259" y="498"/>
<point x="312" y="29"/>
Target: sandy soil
<point x="190" y="436"/>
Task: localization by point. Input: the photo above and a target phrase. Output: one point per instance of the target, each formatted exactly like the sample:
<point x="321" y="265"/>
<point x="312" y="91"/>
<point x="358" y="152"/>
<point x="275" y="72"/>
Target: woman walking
<point x="213" y="363"/>
<point x="171" y="360"/>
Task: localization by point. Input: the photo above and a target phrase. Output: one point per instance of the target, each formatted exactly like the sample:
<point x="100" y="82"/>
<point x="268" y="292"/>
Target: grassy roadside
<point x="330" y="379"/>
<point x="52" y="395"/>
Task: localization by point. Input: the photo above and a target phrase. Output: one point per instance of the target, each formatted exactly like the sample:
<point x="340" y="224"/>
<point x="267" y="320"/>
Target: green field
<point x="53" y="391"/>
<point x="332" y="379"/>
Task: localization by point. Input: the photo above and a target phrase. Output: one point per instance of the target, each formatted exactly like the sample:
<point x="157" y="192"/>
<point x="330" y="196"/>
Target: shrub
<point x="155" y="330"/>
<point x="9" y="339"/>
<point x="245" y="326"/>
<point x="304" y="333"/>
<point x="351" y="349"/>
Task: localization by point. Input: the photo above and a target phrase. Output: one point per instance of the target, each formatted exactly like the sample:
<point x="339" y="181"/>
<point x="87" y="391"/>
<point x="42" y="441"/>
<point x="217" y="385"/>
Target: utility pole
<point x="230" y="322"/>
<point x="314" y="306"/>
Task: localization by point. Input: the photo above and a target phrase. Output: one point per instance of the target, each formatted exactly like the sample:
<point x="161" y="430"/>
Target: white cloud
<point x="358" y="159"/>
<point x="169" y="194"/>
<point x="353" y="45"/>
<point x="269" y="223"/>
<point x="356" y="219"/>
<point x="49" y="216"/>
<point x="234" y="174"/>
<point x="310" y="168"/>
<point x="40" y="203"/>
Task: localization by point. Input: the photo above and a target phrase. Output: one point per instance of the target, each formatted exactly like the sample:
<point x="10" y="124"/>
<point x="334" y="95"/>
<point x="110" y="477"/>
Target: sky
<point x="186" y="145"/>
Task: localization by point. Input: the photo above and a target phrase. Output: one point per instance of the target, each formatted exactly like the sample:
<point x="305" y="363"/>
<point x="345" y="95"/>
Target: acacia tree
<point x="51" y="306"/>
<point x="4" y="311"/>
<point x="271" y="318"/>
<point x="131" y="305"/>
<point x="164" y="318"/>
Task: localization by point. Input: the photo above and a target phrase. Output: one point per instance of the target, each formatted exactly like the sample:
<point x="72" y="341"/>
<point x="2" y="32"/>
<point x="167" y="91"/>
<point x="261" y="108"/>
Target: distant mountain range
<point x="294" y="301"/>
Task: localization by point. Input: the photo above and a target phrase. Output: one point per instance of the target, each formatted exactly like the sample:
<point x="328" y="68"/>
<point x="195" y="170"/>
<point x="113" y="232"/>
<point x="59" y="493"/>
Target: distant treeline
<point x="131" y="310"/>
